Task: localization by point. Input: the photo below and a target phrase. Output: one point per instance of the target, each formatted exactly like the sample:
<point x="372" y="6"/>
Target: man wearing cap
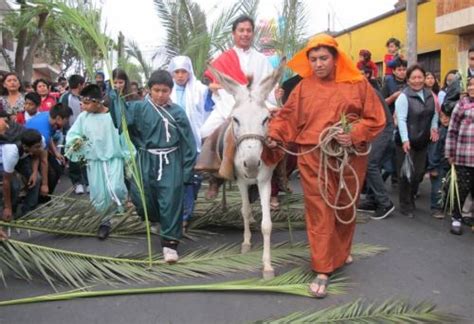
<point x="332" y="86"/>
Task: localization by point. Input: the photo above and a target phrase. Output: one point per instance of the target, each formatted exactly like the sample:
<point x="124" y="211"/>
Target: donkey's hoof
<point x="268" y="274"/>
<point x="245" y="248"/>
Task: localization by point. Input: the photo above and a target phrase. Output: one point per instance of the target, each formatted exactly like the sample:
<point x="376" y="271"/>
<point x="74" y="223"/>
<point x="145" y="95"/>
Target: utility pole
<point x="412" y="19"/>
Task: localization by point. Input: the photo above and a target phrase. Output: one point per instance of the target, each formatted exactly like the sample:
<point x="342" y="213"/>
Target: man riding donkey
<point x="332" y="110"/>
<point x="246" y="66"/>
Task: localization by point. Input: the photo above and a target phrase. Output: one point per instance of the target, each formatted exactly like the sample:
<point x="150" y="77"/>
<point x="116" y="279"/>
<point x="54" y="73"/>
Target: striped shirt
<point x="460" y="139"/>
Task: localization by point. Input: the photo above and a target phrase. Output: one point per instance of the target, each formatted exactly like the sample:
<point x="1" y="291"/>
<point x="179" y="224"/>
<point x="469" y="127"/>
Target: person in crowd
<point x="100" y="81"/>
<point x="470" y="62"/>
<point x="94" y="138"/>
<point x="393" y="54"/>
<point x="42" y="87"/>
<point x="240" y="63"/>
<point x="32" y="103"/>
<point x="3" y="129"/>
<point x="166" y="150"/>
<point x="190" y="94"/>
<point x="12" y="100"/>
<point x="21" y="164"/>
<point x="62" y="86"/>
<point x="417" y="127"/>
<point x="365" y="61"/>
<point x="437" y="164"/>
<point x="391" y="89"/>
<point x="448" y="80"/>
<point x="331" y="86"/>
<point x="135" y="91"/>
<point x="47" y="123"/>
<point x="460" y="152"/>
<point x="77" y="171"/>
<point x="377" y="199"/>
<point x="431" y="82"/>
<point x="27" y="87"/>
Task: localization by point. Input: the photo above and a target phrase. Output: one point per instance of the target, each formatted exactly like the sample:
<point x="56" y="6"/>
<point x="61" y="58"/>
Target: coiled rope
<point x="335" y="157"/>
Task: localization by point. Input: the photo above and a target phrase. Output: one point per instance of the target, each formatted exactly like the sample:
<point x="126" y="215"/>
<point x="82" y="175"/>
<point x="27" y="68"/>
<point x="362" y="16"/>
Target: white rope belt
<point x="163" y="156"/>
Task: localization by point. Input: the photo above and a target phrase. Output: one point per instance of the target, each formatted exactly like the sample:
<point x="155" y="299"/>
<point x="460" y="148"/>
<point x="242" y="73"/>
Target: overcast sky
<point x="139" y="21"/>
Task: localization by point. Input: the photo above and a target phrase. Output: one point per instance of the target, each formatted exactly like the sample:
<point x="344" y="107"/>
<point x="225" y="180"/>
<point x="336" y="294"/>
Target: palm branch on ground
<point x="359" y="311"/>
<point x="76" y="269"/>
<point x="294" y="282"/>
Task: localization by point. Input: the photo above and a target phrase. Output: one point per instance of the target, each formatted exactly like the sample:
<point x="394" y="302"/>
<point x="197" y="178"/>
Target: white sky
<point x="138" y="19"/>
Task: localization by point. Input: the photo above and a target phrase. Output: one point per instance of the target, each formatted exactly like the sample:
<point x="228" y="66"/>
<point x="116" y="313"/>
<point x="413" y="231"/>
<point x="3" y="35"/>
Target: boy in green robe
<point x="94" y="138"/>
<point x="166" y="152"/>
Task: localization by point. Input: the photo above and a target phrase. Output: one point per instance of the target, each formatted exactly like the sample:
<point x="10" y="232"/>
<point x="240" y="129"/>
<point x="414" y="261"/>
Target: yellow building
<point x="436" y="52"/>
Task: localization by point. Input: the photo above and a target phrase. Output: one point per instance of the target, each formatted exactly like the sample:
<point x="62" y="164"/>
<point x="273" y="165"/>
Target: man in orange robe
<point x="331" y="86"/>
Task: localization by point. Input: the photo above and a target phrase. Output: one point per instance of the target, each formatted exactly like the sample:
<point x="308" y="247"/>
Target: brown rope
<point x="335" y="157"/>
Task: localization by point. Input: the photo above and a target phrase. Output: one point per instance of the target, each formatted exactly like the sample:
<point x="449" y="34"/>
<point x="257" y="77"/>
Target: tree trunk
<point x="29" y="58"/>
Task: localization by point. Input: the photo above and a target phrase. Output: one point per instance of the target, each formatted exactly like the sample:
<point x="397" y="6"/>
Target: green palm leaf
<point x="76" y="269"/>
<point x="26" y="260"/>
<point x="294" y="282"/>
<point x="391" y="311"/>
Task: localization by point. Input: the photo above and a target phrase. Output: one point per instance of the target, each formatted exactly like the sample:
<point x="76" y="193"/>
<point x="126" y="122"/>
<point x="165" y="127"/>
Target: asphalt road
<point x="424" y="262"/>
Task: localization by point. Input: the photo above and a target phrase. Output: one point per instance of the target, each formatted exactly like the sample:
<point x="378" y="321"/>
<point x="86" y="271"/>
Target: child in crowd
<point x="94" y="138"/>
<point x="460" y="152"/>
<point x="365" y="62"/>
<point x="166" y="150"/>
<point x="32" y="102"/>
<point x="393" y="49"/>
<point x="190" y="94"/>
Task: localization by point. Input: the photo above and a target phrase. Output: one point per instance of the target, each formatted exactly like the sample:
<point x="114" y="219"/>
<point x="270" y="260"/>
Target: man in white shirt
<point x="245" y="65"/>
<point x="241" y="63"/>
<point x="22" y="161"/>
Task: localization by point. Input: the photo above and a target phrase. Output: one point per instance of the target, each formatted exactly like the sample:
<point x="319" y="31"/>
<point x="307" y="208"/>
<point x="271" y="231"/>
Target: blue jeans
<point x="436" y="150"/>
<point x="374" y="181"/>
<point x="437" y="162"/>
<point x="190" y="195"/>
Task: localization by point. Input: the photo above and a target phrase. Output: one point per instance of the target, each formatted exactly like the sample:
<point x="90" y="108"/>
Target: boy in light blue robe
<point x="94" y="138"/>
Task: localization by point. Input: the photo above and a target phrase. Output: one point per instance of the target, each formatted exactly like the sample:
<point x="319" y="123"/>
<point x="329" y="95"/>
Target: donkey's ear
<point x="229" y="84"/>
<point x="268" y="84"/>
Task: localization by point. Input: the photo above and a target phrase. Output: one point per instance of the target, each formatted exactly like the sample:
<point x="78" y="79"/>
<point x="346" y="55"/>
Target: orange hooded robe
<point x="312" y="106"/>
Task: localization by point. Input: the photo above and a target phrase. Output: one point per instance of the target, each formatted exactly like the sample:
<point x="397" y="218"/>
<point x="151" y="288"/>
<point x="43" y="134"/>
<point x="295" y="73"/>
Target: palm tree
<point x="133" y="50"/>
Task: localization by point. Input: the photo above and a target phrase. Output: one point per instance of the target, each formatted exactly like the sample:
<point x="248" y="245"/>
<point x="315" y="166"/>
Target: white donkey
<point x="250" y="118"/>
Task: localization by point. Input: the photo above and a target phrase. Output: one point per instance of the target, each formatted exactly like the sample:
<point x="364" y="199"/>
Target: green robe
<point x="104" y="151"/>
<point x="164" y="174"/>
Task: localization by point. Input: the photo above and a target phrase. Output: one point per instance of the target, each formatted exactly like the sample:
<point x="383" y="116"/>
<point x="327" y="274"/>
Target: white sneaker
<point x="79" y="189"/>
<point x="170" y="255"/>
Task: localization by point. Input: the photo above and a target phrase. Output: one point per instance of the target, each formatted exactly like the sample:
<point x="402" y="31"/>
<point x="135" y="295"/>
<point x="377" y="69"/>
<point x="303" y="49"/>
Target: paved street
<point x="424" y="262"/>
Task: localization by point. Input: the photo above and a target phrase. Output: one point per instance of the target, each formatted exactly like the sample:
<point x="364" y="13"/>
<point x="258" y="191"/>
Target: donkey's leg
<point x="246" y="211"/>
<point x="264" y="188"/>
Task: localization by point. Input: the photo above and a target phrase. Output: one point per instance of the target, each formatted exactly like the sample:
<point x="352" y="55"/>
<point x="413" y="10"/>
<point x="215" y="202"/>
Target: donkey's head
<point x="250" y="118"/>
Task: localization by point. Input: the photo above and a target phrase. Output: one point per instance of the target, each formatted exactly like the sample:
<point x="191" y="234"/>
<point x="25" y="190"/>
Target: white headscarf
<point x="195" y="93"/>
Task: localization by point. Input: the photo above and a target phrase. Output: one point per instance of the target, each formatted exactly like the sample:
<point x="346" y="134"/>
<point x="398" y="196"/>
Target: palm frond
<point x="76" y="269"/>
<point x="134" y="51"/>
<point x="390" y="311"/>
<point x="294" y="282"/>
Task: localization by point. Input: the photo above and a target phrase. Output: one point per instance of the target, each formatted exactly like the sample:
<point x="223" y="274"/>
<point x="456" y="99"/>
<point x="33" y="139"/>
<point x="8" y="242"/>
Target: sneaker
<point x="438" y="214"/>
<point x="366" y="206"/>
<point x="382" y="212"/>
<point x="104" y="231"/>
<point x="170" y="255"/>
<point x="79" y="189"/>
<point x="456" y="227"/>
